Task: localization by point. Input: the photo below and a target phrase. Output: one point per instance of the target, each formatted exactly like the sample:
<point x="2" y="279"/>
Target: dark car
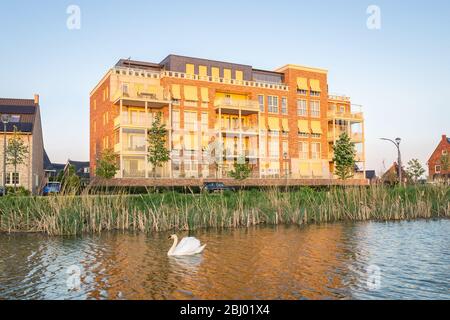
<point x="217" y="187"/>
<point x="51" y="188"/>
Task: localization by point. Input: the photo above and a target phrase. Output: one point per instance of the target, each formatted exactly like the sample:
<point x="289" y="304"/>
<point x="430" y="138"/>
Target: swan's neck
<point x="172" y="249"/>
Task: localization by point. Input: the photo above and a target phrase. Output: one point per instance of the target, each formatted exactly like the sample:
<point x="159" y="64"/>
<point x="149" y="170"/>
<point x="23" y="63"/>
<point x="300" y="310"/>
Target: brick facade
<point x="103" y="103"/>
<point x="434" y="162"/>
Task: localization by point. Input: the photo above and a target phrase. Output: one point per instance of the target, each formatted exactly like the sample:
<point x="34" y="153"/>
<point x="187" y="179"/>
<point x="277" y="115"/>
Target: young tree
<point x="16" y="153"/>
<point x="107" y="164"/>
<point x="70" y="181"/>
<point x="241" y="170"/>
<point x="414" y="170"/>
<point x="344" y="157"/>
<point x="158" y="154"/>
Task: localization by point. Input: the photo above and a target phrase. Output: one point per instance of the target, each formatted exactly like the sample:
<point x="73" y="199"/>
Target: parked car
<point x="51" y="188"/>
<point x="217" y="187"/>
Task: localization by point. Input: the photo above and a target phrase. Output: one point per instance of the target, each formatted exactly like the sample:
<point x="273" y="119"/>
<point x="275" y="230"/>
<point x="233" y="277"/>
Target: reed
<point x="71" y="215"/>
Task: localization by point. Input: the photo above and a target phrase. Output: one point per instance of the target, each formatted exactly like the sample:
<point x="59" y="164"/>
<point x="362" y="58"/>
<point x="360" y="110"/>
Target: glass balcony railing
<point x="228" y="103"/>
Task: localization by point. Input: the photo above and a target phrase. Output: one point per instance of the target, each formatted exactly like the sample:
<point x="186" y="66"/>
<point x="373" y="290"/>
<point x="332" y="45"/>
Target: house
<point x="52" y="170"/>
<point x="391" y="175"/>
<point x="81" y="168"/>
<point x="23" y="116"/>
<point x="438" y="164"/>
<point x="282" y="122"/>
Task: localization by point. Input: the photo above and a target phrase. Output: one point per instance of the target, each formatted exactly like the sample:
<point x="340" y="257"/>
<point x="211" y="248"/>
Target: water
<point x="401" y="260"/>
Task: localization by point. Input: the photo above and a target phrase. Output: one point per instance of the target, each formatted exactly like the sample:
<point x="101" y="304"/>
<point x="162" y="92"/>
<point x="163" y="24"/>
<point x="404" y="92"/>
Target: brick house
<point x="24" y="115"/>
<point x="436" y="168"/>
<point x="284" y="123"/>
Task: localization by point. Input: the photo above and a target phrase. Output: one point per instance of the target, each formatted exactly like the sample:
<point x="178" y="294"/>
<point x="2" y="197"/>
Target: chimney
<point x="36" y="99"/>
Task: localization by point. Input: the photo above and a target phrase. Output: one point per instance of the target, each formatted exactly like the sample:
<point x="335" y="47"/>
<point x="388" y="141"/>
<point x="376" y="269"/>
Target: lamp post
<point x="397" y="144"/>
<point x="5" y="118"/>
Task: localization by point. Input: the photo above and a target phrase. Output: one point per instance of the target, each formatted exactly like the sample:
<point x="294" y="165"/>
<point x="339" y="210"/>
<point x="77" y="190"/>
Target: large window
<point x="315" y="150"/>
<point x="261" y="103"/>
<point x="302" y="109"/>
<point x="303" y="150"/>
<point x="175" y="120"/>
<point x="284" y="105"/>
<point x="315" y="109"/>
<point x="273" y="104"/>
<point x="12" y="178"/>
<point x="190" y="120"/>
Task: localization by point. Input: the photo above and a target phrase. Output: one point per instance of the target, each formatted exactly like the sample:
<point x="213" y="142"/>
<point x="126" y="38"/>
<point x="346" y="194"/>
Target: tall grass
<point x="69" y="215"/>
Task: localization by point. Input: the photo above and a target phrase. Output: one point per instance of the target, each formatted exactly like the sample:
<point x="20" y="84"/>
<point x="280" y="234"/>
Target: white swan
<point x="188" y="246"/>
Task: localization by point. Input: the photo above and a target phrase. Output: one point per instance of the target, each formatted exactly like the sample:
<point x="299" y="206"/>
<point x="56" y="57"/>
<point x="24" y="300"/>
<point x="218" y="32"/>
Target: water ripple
<point x="315" y="262"/>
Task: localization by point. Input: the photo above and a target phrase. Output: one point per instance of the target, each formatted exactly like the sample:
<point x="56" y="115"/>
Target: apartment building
<point x="283" y="123"/>
<point x="23" y="115"/>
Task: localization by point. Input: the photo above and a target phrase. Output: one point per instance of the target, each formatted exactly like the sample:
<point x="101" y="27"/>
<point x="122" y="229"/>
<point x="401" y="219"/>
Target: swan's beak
<point x="170" y="237"/>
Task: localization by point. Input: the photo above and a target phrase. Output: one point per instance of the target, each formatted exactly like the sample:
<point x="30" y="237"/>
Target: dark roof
<point x="79" y="167"/>
<point x="137" y="64"/>
<point x="47" y="162"/>
<point x="26" y="108"/>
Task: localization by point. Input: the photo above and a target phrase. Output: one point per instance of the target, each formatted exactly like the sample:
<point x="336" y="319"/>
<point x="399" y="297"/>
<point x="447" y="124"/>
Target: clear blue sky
<point x="400" y="73"/>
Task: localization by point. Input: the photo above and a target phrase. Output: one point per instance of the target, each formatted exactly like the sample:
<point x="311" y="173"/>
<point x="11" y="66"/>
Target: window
<point x="301" y="91"/>
<point x="12" y="178"/>
<point x="202" y="71"/>
<point x="444" y="152"/>
<point x="190" y="69"/>
<point x="315" y="150"/>
<point x="215" y="73"/>
<point x="125" y="89"/>
<point x="204" y="122"/>
<point x="303" y="150"/>
<point x="175" y="120"/>
<point x="261" y="103"/>
<point x="227" y="73"/>
<point x="315" y="93"/>
<point x="302" y="109"/>
<point x="273" y="104"/>
<point x="284" y="105"/>
<point x="437" y="169"/>
<point x="190" y="120"/>
<point x="315" y="109"/>
<point x="316" y="135"/>
<point x="274" y="149"/>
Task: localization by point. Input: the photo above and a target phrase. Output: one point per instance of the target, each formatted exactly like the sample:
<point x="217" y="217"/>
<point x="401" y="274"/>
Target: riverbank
<point x="71" y="215"/>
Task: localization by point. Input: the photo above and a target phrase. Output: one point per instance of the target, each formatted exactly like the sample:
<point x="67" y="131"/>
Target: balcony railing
<point x="141" y="92"/>
<point x="140" y="120"/>
<point x="345" y="115"/>
<point x="338" y="97"/>
<point x="228" y="103"/>
<point x="127" y="173"/>
<point x="257" y="84"/>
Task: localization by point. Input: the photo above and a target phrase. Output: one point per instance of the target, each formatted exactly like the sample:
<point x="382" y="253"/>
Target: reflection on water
<point x="334" y="261"/>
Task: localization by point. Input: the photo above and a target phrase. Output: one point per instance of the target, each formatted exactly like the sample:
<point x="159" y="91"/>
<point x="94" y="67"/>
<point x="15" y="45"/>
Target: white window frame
<point x="314" y="106"/>
<point x="302" y="108"/>
<point x="316" y="154"/>
<point x="261" y="105"/>
<point x="303" y="151"/>
<point x="284" y="105"/>
<point x="272" y="104"/>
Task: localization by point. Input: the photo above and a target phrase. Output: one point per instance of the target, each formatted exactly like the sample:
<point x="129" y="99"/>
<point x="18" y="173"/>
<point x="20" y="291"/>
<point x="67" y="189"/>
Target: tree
<point x="241" y="170"/>
<point x="16" y="153"/>
<point x="70" y="181"/>
<point x="414" y="170"/>
<point x="158" y="154"/>
<point x="344" y="157"/>
<point x="107" y="164"/>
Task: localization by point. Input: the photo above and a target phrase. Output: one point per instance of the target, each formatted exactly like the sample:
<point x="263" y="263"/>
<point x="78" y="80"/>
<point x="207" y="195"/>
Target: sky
<point x="399" y="73"/>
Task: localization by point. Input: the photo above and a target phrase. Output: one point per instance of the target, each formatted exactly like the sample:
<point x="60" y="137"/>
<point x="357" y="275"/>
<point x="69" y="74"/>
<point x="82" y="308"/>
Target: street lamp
<point x="397" y="144"/>
<point x="5" y="118"/>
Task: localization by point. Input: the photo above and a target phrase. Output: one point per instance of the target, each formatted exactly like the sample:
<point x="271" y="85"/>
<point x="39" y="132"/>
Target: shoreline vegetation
<point x="153" y="212"/>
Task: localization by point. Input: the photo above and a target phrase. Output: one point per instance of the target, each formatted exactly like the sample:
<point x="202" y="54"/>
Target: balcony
<point x="141" y="120"/>
<point x="250" y="130"/>
<point x="138" y="95"/>
<point x="354" y="136"/>
<point x="352" y="116"/>
<point x="233" y="106"/>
